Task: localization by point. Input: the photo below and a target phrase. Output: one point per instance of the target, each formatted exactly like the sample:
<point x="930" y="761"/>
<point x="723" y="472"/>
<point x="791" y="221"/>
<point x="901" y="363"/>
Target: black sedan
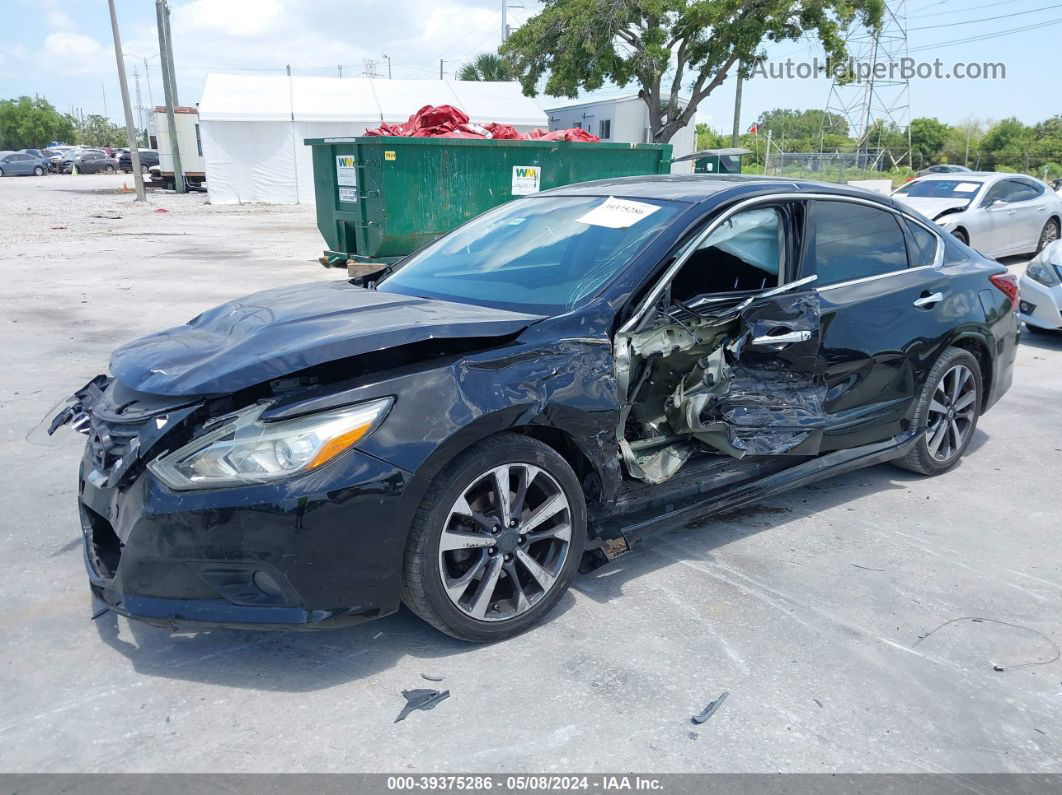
<point x="529" y="395"/>
<point x="148" y="158"/>
<point x="89" y="161"/>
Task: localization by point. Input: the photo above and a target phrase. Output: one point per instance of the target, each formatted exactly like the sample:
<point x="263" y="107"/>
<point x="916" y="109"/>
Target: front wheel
<point x="961" y="236"/>
<point x="38" y="171"/>
<point x="948" y="409"/>
<point x="143" y="169"/>
<point x="108" y="170"/>
<point x="496" y="541"/>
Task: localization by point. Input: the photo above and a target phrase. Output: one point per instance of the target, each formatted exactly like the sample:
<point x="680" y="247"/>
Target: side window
<point x="853" y="241"/>
<point x="1001" y="191"/>
<point x="1024" y="191"/>
<point x="924" y="250"/>
<point x="744" y="254"/>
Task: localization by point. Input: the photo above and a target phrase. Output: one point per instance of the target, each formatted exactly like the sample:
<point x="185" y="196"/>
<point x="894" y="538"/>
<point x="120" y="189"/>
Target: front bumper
<point x="1040" y="305"/>
<point x="322" y="550"/>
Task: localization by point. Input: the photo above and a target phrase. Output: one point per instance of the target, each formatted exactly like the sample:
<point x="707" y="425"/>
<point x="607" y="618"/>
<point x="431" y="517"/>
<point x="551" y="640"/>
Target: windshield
<point x="940" y="189"/>
<point x="543" y="255"/>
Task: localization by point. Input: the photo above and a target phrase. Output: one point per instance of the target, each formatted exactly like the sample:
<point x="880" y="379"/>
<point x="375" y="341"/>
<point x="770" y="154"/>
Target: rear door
<point x="886" y="309"/>
<point x="1029" y="208"/>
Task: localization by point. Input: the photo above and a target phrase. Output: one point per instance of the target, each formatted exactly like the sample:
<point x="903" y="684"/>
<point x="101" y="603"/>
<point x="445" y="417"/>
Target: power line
<point x="971" y="8"/>
<point x="988" y="19"/>
<point x="986" y="36"/>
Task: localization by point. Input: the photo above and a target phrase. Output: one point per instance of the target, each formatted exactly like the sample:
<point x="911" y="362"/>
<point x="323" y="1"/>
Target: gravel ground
<point x="811" y="609"/>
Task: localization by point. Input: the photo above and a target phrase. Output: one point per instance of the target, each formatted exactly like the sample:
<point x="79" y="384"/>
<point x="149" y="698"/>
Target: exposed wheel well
<point x="566" y="447"/>
<point x="980" y="352"/>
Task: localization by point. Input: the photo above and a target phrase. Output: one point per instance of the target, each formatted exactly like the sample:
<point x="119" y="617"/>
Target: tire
<point x="936" y="451"/>
<point x="143" y="169"/>
<point x="478" y="601"/>
<point x="108" y="169"/>
<point x="1048" y="235"/>
<point x="1" y="172"/>
<point x="961" y="236"/>
<point x="38" y="171"/>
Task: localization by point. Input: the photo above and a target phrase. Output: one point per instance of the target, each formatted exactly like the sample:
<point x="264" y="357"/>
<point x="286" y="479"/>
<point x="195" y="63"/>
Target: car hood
<point x="278" y="332"/>
<point x="933" y="208"/>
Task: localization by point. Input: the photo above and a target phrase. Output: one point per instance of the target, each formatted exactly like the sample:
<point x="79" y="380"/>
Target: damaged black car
<point x="528" y="396"/>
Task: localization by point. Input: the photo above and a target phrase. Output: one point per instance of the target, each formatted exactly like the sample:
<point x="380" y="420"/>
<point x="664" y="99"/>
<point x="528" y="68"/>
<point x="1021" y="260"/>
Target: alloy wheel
<point x="1049" y="235"/>
<point x="505" y="542"/>
<point x="952" y="411"/>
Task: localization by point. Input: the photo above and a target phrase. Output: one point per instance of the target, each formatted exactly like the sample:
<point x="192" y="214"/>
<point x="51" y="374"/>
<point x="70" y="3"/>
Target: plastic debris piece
<point x="432" y="677"/>
<point x="160" y="210"/>
<point x="710" y="709"/>
<point x="418" y="698"/>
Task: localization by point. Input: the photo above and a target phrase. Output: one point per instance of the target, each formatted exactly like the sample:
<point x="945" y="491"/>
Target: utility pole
<point x="504" y="21"/>
<point x="103" y="88"/>
<point x="139" y="100"/>
<point x="388" y="57"/>
<point x="735" y="135"/>
<point x="440" y="68"/>
<point x="134" y="144"/>
<point x="169" y="85"/>
<point x="340" y="67"/>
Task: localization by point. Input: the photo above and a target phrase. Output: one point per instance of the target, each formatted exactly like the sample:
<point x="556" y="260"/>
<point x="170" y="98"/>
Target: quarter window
<point x="924" y="249"/>
<point x="853" y="241"/>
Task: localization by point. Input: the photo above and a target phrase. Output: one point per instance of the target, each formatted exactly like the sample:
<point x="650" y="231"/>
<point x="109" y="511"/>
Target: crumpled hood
<point x="931" y="208"/>
<point x="277" y="332"/>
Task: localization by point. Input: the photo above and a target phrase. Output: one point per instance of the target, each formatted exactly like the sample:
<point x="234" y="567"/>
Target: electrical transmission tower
<point x="876" y="101"/>
<point x="368" y="67"/>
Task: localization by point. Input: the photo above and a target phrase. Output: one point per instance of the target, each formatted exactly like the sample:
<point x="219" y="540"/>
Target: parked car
<point x="89" y="161"/>
<point x="20" y="164"/>
<point x="943" y="168"/>
<point x="998" y="214"/>
<point x="535" y="390"/>
<point x="40" y="154"/>
<point x="148" y="158"/>
<point x="58" y="156"/>
<point x="1041" y="291"/>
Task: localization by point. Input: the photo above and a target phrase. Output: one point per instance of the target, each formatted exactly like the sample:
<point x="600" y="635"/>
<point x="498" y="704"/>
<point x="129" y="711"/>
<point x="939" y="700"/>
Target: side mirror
<point x="993" y="205"/>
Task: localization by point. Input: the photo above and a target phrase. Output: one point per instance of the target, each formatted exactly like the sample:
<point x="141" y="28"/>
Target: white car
<point x="1000" y="215"/>
<point x="1041" y="291"/>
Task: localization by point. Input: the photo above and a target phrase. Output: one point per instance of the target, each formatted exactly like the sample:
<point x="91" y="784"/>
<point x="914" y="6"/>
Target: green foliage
<point x="691" y="44"/>
<point x="707" y="138"/>
<point x="928" y="137"/>
<point x="1006" y="145"/>
<point x="32" y="123"/>
<point x="486" y="66"/>
<point x="99" y="131"/>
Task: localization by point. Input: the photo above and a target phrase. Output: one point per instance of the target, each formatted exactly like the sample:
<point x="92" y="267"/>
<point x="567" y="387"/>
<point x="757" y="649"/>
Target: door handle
<point x="929" y="300"/>
<point x="780" y="341"/>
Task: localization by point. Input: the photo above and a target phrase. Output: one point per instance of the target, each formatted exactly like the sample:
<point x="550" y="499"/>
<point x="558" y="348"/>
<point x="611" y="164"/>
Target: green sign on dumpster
<point x="380" y="198"/>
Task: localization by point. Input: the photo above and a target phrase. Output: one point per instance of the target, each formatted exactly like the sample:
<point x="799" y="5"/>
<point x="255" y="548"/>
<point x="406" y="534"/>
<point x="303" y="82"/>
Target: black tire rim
<point x="952" y="411"/>
<point x="505" y="542"/>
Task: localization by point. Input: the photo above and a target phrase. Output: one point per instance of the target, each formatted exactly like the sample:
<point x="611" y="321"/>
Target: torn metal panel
<point x="716" y="380"/>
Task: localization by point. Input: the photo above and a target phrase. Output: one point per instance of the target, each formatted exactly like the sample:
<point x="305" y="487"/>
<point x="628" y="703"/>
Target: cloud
<point x="60" y="20"/>
<point x="70" y="53"/>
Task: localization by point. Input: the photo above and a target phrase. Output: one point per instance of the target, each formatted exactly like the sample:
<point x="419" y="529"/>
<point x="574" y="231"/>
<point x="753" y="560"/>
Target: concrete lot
<point x="807" y="608"/>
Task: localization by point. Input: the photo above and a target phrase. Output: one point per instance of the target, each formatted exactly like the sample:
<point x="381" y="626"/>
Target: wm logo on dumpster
<point x="345" y="161"/>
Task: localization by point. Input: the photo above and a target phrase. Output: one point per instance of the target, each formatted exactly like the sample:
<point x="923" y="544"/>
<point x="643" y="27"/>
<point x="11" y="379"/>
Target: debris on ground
<point x="997" y="666"/>
<point x="160" y="210"/>
<point x="710" y="709"/>
<point x="432" y="677"/>
<point x="418" y="698"/>
<point x="817" y="702"/>
<point x="866" y="568"/>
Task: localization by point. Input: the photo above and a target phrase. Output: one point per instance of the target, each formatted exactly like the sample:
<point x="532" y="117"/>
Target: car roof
<point x="698" y="188"/>
<point x="980" y="175"/>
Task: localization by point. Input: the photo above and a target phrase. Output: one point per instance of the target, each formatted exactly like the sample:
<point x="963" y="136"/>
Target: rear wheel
<point x="496" y="541"/>
<point x="143" y="169"/>
<point x="948" y="409"/>
<point x="108" y="169"/>
<point x="1048" y="235"/>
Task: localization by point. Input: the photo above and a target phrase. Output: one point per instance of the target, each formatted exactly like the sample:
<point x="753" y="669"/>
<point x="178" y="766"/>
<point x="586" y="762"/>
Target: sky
<point x="68" y="55"/>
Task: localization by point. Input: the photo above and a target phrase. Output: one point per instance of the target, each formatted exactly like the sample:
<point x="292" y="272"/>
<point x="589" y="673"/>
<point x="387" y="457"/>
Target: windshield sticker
<point x="526" y="180"/>
<point x="618" y="213"/>
<point x="967" y="187"/>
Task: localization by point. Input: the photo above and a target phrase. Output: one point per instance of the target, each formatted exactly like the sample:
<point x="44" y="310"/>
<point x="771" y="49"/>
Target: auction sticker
<point x="526" y="179"/>
<point x="346" y="174"/>
<point x="618" y="213"/>
<point x="348" y="194"/>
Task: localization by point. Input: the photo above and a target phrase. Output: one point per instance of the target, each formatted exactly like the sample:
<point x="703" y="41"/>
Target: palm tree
<point x="487" y="66"/>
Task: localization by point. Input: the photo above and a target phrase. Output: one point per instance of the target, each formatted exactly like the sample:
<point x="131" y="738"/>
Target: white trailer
<point x="189" y="142"/>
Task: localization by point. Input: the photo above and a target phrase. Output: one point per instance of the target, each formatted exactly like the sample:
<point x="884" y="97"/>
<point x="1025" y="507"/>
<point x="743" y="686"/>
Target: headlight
<point x="1041" y="270"/>
<point x="247" y="450"/>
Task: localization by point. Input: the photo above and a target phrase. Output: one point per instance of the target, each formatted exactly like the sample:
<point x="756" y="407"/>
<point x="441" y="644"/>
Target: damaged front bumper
<point x="320" y="550"/>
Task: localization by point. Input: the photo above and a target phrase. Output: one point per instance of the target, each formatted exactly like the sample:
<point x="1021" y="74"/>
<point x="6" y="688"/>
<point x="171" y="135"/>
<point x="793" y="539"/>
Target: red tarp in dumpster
<point x="446" y="121"/>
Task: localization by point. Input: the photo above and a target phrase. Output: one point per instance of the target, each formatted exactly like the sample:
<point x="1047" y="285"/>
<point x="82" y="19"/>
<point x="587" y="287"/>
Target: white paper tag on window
<point x="967" y="187"/>
<point x="618" y="213"/>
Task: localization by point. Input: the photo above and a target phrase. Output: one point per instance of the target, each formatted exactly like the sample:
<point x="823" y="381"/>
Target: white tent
<point x="253" y="127"/>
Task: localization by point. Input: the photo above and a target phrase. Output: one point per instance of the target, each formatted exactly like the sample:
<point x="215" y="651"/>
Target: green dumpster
<point x="381" y="198"/>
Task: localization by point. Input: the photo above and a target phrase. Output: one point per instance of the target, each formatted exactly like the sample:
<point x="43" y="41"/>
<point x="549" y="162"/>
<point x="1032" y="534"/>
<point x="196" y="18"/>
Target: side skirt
<point x="616" y="536"/>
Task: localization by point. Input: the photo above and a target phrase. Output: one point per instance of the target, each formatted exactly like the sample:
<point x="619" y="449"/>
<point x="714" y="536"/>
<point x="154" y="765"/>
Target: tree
<point x="1006" y="146"/>
<point x="99" y="131"/>
<point x="707" y="138"/>
<point x="964" y="140"/>
<point x="32" y="123"/>
<point x="928" y="137"/>
<point x="804" y="130"/>
<point x="693" y="45"/>
<point x="486" y="66"/>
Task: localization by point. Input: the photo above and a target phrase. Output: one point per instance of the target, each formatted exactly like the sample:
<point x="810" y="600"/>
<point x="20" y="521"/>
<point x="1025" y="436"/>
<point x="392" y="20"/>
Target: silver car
<point x="998" y="214"/>
<point x="1041" y="291"/>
